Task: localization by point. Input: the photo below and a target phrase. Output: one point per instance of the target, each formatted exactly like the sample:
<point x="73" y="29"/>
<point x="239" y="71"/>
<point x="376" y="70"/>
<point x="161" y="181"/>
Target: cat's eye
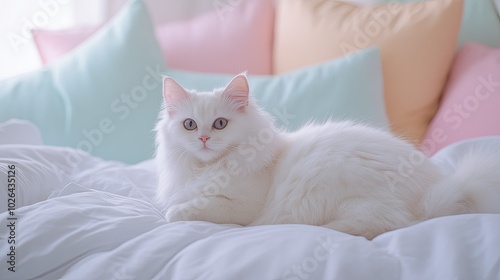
<point x="220" y="123"/>
<point x="190" y="124"/>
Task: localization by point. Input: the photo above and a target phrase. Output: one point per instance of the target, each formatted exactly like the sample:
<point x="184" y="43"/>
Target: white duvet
<point x="79" y="217"/>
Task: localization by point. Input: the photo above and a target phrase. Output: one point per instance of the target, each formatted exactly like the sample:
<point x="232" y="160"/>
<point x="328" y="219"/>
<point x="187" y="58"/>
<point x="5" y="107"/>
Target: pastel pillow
<point x="102" y="98"/>
<point x="417" y="42"/>
<point x="313" y="94"/>
<point x="227" y="40"/>
<point x="471" y="103"/>
<point x="53" y="44"/>
<point x="480" y="22"/>
<point x="16" y="131"/>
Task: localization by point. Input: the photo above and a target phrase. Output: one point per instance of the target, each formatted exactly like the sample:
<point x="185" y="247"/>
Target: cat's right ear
<point x="237" y="91"/>
<point x="174" y="94"/>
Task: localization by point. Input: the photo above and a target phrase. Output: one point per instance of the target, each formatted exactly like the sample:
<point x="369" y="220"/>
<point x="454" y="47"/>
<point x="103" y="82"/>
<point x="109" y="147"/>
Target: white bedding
<point x="79" y="217"/>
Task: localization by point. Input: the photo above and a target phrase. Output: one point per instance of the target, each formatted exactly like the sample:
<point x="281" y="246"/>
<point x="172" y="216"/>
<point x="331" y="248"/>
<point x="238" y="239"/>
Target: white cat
<point x="211" y="164"/>
<point x="222" y="160"/>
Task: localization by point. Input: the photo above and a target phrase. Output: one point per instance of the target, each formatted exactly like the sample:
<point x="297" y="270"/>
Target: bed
<point x="77" y="178"/>
<point x="90" y="218"/>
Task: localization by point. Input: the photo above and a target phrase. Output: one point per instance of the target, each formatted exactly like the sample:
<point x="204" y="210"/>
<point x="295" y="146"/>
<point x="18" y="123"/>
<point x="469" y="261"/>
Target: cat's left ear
<point x="237" y="91"/>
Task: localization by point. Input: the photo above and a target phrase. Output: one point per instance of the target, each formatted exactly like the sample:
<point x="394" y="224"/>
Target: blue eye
<point x="220" y="123"/>
<point x="190" y="124"/>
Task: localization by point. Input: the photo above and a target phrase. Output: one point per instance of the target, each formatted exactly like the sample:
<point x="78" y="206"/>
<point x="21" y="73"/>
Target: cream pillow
<point x="417" y="43"/>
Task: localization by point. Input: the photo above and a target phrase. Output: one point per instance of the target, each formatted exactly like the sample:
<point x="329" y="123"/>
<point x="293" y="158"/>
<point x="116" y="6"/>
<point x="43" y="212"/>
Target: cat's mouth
<point x="206" y="149"/>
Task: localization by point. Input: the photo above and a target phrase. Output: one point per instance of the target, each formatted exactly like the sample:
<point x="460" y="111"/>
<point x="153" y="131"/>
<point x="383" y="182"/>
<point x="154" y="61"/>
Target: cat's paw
<point x="181" y="212"/>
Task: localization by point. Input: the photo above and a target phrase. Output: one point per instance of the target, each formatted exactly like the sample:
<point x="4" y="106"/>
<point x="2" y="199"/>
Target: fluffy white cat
<point x="221" y="159"/>
<point x="211" y="164"/>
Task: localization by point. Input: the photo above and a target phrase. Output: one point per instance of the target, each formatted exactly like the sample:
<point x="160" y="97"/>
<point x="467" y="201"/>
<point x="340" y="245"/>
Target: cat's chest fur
<point x="227" y="175"/>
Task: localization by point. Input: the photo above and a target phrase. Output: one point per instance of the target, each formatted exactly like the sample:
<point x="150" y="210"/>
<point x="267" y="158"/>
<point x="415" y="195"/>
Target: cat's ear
<point x="237" y="91"/>
<point x="174" y="94"/>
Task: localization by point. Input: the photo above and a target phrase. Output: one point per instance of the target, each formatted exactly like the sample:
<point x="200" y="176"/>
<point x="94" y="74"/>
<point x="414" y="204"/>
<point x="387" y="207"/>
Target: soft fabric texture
<point x="98" y="221"/>
<point x="480" y="22"/>
<point x="16" y="131"/>
<point x="221" y="159"/>
<point x="53" y="44"/>
<point x="471" y="103"/>
<point x="330" y="90"/>
<point x="231" y="39"/>
<point x="103" y="98"/>
<point x="417" y="43"/>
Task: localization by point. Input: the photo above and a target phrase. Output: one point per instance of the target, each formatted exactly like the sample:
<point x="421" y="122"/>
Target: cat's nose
<point x="204" y="138"/>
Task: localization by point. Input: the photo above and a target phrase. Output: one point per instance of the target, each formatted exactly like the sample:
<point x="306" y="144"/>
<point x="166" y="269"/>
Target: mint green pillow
<point x="103" y="97"/>
<point x="349" y="88"/>
<point x="480" y="22"/>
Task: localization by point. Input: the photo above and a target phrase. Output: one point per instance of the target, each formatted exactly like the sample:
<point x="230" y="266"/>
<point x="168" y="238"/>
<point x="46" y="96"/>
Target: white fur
<point x="344" y="176"/>
<point x="350" y="178"/>
<point x="219" y="185"/>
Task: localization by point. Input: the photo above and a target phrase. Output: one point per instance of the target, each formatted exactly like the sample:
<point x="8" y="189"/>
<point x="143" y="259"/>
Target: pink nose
<point x="204" y="138"/>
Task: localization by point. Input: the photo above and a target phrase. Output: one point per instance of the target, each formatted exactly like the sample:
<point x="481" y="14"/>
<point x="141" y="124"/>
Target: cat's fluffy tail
<point x="473" y="187"/>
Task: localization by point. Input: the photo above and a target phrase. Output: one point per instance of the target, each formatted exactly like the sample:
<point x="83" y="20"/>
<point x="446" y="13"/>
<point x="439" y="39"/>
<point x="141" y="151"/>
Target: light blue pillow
<point x="480" y="22"/>
<point x="103" y="97"/>
<point x="348" y="88"/>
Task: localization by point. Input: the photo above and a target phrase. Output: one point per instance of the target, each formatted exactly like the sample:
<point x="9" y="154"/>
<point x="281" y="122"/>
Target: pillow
<point x="416" y="40"/>
<point x="471" y="102"/>
<point x="331" y="90"/>
<point x="52" y="44"/>
<point x="480" y="22"/>
<point x="103" y="98"/>
<point x="230" y="39"/>
<point x="16" y="131"/>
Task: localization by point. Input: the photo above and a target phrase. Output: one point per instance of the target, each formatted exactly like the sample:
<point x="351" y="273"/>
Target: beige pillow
<point x="417" y="43"/>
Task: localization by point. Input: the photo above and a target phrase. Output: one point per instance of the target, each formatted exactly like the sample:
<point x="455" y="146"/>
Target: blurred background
<point x="18" y="53"/>
<point x="425" y="46"/>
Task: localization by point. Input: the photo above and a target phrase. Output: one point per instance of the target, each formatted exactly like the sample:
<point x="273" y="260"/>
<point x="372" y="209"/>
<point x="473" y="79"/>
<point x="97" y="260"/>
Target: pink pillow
<point x="227" y="40"/>
<point x="52" y="44"/>
<point x="470" y="106"/>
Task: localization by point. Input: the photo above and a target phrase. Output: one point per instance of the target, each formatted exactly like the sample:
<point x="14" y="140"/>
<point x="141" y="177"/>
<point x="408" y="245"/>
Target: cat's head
<point x="209" y="125"/>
